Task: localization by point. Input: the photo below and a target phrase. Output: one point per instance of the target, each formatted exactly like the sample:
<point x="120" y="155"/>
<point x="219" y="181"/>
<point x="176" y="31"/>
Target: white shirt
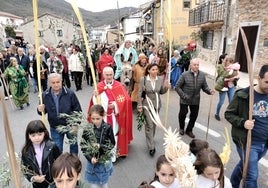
<point x="175" y="184"/>
<point x="203" y="182"/>
<point x="152" y="81"/>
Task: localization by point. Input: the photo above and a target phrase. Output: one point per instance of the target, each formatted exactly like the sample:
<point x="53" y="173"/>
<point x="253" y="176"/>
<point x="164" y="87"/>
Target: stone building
<point x="52" y="30"/>
<point x="219" y="24"/>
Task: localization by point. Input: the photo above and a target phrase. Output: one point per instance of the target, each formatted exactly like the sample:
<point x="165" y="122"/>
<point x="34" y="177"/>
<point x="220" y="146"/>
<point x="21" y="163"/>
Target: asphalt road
<point x="138" y="166"/>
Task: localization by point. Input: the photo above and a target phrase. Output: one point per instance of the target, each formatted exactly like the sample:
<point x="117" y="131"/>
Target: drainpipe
<point x="161" y="21"/>
<point x="225" y="25"/>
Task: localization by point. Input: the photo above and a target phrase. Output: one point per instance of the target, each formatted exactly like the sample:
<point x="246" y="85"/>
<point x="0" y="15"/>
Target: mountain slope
<point x="23" y="8"/>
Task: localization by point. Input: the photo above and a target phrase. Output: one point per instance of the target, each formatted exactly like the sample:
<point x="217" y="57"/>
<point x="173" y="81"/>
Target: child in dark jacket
<point x="97" y="144"/>
<point x="38" y="155"/>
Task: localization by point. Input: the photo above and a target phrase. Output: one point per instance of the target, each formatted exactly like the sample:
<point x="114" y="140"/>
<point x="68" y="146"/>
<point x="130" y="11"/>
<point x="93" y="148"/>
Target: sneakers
<point x="6" y="98"/>
<point x="224" y="89"/>
<point x="217" y="117"/>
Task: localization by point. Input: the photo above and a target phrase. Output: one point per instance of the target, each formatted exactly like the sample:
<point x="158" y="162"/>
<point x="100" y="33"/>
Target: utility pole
<point x="161" y="33"/>
<point x="118" y="10"/>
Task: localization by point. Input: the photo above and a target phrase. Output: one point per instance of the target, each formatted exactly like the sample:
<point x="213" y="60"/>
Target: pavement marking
<point x="210" y="131"/>
<point x="262" y="161"/>
<point x="204" y="128"/>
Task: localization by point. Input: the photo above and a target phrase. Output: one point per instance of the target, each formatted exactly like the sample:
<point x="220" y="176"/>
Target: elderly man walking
<point x="188" y="87"/>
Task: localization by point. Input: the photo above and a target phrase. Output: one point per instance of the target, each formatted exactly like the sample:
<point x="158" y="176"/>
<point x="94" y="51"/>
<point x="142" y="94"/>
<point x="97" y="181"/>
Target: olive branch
<point x="76" y="122"/>
<point x="5" y="172"/>
<point x="140" y="120"/>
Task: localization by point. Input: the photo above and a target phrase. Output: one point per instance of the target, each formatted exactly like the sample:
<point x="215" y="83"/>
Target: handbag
<point x="143" y="94"/>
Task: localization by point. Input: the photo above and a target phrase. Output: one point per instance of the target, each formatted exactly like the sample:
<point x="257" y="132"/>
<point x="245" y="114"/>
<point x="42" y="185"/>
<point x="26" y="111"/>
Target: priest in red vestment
<point x="118" y="107"/>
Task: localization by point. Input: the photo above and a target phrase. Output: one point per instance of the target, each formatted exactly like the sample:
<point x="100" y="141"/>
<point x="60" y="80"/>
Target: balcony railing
<point x="208" y="12"/>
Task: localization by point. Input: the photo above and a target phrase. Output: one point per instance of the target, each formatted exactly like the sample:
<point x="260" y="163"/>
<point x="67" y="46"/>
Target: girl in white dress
<point x="164" y="176"/>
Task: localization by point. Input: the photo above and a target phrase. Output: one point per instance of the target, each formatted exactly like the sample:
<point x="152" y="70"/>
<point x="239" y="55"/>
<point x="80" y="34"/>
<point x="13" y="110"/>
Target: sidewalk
<point x="210" y="69"/>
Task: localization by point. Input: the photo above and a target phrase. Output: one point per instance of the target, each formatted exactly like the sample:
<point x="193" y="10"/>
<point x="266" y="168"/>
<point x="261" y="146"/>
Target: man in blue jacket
<point x="56" y="100"/>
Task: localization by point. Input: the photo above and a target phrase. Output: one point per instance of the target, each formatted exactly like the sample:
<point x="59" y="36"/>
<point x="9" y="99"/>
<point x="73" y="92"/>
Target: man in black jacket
<point x="23" y="60"/>
<point x="188" y="87"/>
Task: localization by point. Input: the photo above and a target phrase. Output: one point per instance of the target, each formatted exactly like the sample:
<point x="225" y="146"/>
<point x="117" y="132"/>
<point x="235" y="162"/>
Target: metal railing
<point x="208" y="12"/>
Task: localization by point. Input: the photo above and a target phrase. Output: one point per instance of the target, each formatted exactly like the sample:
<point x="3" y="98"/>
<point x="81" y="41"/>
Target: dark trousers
<point x="78" y="79"/>
<point x="89" y="76"/>
<point x="193" y="116"/>
<point x="66" y="79"/>
<point x="43" y="84"/>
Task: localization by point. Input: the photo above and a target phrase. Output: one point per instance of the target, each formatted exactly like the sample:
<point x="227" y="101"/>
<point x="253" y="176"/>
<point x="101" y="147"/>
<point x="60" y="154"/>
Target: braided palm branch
<point x="176" y="151"/>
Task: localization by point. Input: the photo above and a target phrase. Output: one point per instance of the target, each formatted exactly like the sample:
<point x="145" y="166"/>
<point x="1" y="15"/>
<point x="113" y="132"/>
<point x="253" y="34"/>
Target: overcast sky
<point x="101" y="5"/>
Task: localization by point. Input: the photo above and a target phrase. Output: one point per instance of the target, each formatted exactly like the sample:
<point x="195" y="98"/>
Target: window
<point x="208" y="39"/>
<point x="186" y="4"/>
<point x="41" y="34"/>
<point x="59" y="33"/>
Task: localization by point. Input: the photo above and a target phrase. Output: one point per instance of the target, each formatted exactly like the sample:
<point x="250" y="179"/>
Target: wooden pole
<point x="169" y="58"/>
<point x="79" y="17"/>
<point x="214" y="82"/>
<point x="14" y="167"/>
<point x="251" y="99"/>
<point x="37" y="54"/>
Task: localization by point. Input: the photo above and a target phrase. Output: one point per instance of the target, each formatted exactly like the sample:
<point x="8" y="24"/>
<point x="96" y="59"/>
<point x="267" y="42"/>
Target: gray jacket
<point x="188" y="87"/>
<point x="150" y="92"/>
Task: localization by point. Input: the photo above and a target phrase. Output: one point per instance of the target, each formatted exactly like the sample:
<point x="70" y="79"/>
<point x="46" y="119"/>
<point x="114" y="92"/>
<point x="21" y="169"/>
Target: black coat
<point x="50" y="154"/>
<point x="25" y="62"/>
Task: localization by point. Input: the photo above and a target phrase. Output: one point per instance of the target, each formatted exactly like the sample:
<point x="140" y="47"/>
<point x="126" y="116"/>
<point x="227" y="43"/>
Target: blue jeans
<point x="59" y="137"/>
<point x="222" y="95"/>
<point x="257" y="151"/>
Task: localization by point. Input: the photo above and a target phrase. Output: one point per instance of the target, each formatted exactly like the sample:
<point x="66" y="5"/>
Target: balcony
<point x="207" y="13"/>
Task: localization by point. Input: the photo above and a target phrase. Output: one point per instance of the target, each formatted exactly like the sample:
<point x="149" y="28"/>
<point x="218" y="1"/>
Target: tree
<point x="10" y="32"/>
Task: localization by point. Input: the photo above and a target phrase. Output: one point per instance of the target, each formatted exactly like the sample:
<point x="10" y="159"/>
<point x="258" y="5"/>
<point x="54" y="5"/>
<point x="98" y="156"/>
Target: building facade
<point x="52" y="30"/>
<point x="220" y="24"/>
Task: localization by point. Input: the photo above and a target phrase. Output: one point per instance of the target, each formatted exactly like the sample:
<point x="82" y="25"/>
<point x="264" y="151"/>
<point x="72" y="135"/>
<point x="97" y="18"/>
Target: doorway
<point x="251" y="33"/>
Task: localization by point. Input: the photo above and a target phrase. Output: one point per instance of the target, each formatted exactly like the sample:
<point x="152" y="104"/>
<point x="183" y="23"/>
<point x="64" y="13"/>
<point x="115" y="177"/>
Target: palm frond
<point x="176" y="151"/>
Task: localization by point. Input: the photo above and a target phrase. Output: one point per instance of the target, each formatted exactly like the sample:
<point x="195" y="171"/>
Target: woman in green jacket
<point x="18" y="85"/>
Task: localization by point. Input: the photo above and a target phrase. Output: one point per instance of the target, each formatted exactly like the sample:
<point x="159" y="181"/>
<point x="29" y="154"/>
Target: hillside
<point x="23" y="8"/>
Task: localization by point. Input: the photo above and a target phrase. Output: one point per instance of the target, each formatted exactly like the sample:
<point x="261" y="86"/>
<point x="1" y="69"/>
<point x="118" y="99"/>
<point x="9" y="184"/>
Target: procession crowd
<point x="128" y="80"/>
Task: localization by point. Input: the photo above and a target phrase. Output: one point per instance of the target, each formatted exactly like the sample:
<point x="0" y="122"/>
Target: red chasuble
<point x="124" y="118"/>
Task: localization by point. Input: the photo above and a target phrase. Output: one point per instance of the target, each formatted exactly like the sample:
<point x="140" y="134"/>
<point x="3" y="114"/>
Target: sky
<point x="101" y="5"/>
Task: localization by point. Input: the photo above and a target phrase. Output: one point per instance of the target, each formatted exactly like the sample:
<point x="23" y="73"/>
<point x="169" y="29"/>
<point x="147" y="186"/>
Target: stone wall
<point x="250" y="12"/>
